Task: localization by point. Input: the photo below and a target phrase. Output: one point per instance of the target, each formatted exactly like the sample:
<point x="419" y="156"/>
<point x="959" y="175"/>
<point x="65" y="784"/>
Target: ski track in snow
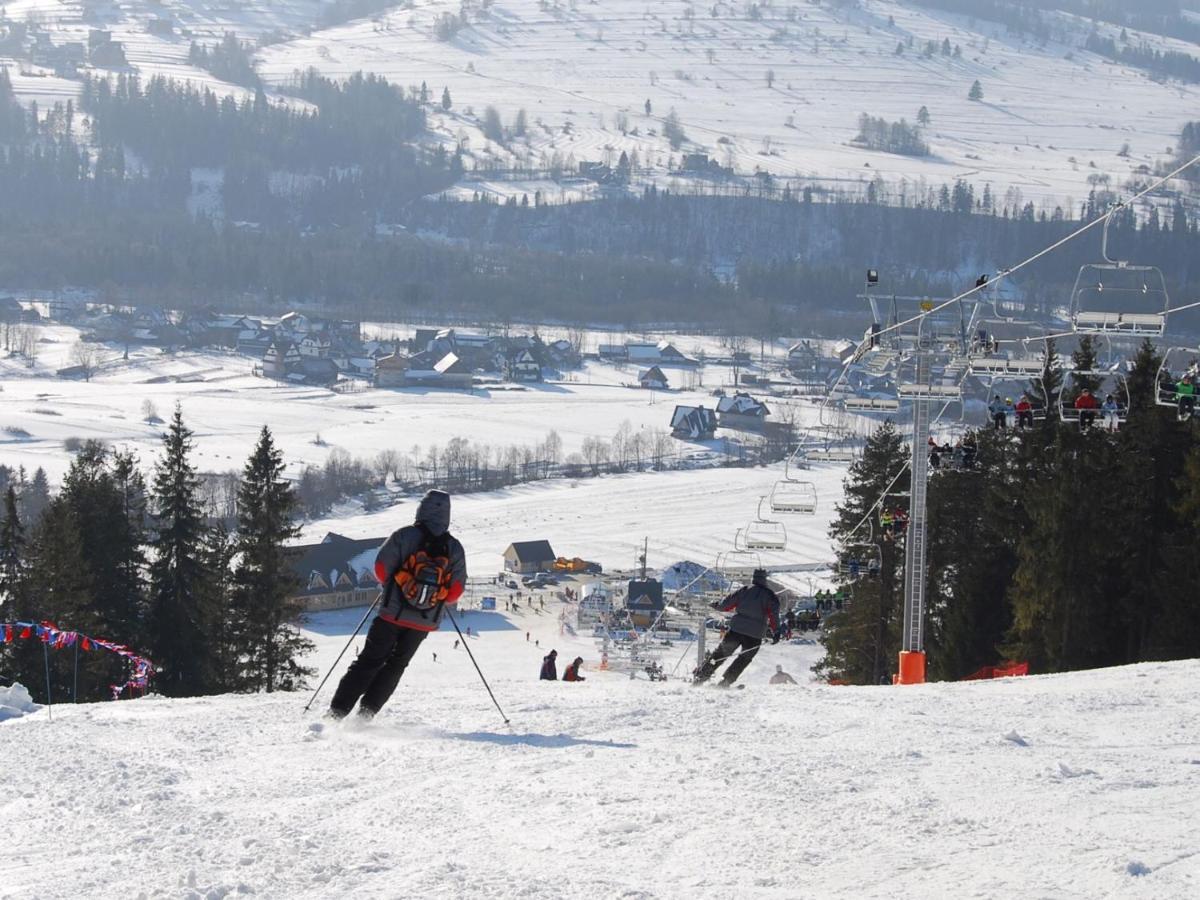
<point x="614" y="788"/>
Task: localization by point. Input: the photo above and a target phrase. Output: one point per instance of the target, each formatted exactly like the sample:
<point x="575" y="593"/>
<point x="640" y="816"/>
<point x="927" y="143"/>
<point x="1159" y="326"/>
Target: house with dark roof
<point x="526" y="557"/>
<point x="696" y="423"/>
<point x="280" y="359"/>
<point x="644" y="601"/>
<point x="653" y="378"/>
<point x="743" y="412"/>
<point x="336" y="573"/>
<point x="523" y="367"/>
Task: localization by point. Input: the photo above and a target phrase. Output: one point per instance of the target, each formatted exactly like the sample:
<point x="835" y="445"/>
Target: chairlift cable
<point x="1104" y="217"/>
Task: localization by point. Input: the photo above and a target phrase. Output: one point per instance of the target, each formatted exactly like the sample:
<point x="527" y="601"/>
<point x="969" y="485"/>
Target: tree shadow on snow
<point x="547" y="741"/>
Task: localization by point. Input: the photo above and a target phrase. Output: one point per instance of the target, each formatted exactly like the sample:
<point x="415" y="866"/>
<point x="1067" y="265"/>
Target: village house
<point x="315" y="344"/>
<point x="742" y="412"/>
<point x="695" y="423"/>
<point x="281" y="357"/>
<point x="336" y="573"/>
<point x="653" y="379"/>
<point x="527" y="557"/>
<point x="523" y="367"/>
<point x="391" y="371"/>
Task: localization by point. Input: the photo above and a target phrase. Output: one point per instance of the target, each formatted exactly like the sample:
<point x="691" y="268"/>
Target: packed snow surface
<point x="1077" y="786"/>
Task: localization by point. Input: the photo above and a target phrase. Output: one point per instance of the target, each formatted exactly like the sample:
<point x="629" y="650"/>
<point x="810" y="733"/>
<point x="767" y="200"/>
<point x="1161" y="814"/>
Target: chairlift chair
<point x="861" y="560"/>
<point x="1178" y="362"/>
<point x="790" y="495"/>
<point x="764" y="533"/>
<point x="1114" y="383"/>
<point x="1115" y="297"/>
<point x="870" y="404"/>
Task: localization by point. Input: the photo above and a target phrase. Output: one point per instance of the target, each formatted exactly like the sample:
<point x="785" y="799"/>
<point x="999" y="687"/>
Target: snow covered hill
<point x="1075" y="786"/>
<point x="767" y="87"/>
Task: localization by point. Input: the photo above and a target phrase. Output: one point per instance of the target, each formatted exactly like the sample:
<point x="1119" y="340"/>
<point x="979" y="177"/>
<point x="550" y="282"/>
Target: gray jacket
<point x="757" y="608"/>
<point x="430" y="530"/>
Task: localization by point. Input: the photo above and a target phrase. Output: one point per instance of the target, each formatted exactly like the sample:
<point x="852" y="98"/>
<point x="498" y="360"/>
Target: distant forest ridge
<point x="351" y="233"/>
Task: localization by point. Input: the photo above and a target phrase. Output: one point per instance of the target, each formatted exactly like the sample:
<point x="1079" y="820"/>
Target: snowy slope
<point x="581" y="69"/>
<point x="581" y="66"/>
<point x="1077" y="786"/>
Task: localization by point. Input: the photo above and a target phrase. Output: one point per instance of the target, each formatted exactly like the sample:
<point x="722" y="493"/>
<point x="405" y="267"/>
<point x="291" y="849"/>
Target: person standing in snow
<point x="781" y="677"/>
<point x="422" y="568"/>
<point x="756" y="610"/>
<point x="571" y="672"/>
<point x="549" y="669"/>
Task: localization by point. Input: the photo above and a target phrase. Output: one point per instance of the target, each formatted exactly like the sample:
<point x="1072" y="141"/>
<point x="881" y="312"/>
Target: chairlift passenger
<point x="1086" y="404"/>
<point x="1024" y="410"/>
<point x="1112" y="412"/>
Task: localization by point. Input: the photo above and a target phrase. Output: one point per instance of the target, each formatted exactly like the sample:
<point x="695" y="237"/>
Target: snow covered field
<point x="584" y="71"/>
<point x="689" y="514"/>
<point x="1074" y="786"/>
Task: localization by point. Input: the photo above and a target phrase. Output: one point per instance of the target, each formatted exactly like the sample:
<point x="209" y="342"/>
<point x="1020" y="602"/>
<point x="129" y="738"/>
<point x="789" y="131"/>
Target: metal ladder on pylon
<point x="914" y="562"/>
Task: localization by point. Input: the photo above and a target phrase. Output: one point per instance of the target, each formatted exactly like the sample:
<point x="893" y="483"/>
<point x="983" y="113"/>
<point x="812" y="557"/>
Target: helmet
<point x="1008" y="399"/>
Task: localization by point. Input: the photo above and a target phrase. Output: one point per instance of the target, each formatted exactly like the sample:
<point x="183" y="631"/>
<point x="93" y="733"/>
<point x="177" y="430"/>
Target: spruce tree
<point x="1175" y="634"/>
<point x="972" y="523"/>
<point x="264" y="584"/>
<point x="976" y="92"/>
<point x="227" y="627"/>
<point x="861" y="641"/>
<point x="179" y="639"/>
<point x="106" y="501"/>
<point x="12" y="557"/>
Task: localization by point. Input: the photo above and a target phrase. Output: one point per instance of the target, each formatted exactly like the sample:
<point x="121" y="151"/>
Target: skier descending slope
<point x="757" y="610"/>
<point x="422" y="568"/>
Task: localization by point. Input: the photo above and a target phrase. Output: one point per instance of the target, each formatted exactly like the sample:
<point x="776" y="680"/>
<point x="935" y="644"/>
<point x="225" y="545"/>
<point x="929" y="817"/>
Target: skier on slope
<point x="757" y="609"/>
<point x="422" y="567"/>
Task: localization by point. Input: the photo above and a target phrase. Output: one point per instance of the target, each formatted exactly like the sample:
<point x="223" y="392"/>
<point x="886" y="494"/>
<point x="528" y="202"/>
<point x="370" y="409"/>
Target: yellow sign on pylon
<point x="926" y="305"/>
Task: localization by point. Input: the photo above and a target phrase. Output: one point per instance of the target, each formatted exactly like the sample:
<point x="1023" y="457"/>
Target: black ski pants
<point x="731" y="642"/>
<point x="376" y="671"/>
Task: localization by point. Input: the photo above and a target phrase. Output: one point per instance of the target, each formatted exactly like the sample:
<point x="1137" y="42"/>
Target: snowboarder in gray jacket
<point x="422" y="568"/>
<point x="756" y="613"/>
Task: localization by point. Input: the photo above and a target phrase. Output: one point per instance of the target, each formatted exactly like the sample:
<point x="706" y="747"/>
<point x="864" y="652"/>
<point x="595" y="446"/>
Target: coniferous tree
<point x="861" y="641"/>
<point x="1175" y="634"/>
<point x="973" y="516"/>
<point x="34" y="498"/>
<point x="264" y="584"/>
<point x="180" y="642"/>
<point x="12" y="556"/>
<point x="106" y="499"/>
<point x="227" y="626"/>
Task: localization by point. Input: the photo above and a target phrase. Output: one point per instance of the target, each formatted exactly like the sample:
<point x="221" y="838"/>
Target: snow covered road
<point x="1085" y="785"/>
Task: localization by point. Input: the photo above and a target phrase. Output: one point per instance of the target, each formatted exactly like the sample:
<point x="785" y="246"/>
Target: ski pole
<point x="477" y="669"/>
<point x="49" y="696"/>
<point x="370" y="610"/>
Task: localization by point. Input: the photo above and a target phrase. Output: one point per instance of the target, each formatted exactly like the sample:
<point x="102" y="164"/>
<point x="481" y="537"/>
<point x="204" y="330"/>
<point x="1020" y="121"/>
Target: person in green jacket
<point x="1185" y="393"/>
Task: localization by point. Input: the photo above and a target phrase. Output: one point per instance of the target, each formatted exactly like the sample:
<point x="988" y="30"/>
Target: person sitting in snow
<point x="422" y="568"/>
<point x="781" y="677"/>
<point x="756" y="610"/>
<point x="571" y="673"/>
<point x="549" y="668"/>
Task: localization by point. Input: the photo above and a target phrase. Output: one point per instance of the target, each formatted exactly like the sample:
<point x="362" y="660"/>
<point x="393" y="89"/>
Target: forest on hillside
<point x="1063" y="548"/>
<point x="350" y="233"/>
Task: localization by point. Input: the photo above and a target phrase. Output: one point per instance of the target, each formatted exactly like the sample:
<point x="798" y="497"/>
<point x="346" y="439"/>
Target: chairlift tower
<point x="937" y="338"/>
<point x="912" y="649"/>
